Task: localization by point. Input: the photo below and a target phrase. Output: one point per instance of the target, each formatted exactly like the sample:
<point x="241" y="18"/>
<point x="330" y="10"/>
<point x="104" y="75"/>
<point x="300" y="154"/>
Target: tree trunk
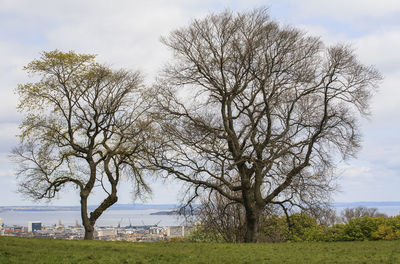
<point x="89" y="222"/>
<point x="89" y="228"/>
<point x="89" y="232"/>
<point x="252" y="222"/>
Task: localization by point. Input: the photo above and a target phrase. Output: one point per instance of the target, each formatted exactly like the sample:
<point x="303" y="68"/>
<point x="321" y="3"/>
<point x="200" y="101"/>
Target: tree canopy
<point x="84" y="125"/>
<point x="258" y="112"/>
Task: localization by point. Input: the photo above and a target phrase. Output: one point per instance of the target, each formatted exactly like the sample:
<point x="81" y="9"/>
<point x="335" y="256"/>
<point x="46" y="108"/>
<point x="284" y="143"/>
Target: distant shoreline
<point x="166" y="208"/>
<point x="42" y="208"/>
<point x="367" y="204"/>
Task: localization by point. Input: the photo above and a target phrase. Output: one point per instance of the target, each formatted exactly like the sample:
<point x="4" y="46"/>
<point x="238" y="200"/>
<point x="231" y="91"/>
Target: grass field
<point x="25" y="250"/>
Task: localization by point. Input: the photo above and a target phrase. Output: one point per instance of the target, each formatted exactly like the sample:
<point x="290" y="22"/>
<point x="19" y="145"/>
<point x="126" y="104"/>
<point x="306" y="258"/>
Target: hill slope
<point x="25" y="250"/>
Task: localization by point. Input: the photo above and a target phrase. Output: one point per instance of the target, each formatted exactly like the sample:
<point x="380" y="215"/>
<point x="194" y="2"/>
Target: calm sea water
<point x="109" y="218"/>
<point x="115" y="217"/>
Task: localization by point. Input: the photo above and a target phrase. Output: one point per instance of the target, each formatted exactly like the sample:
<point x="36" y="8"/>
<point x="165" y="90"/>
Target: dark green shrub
<point x="334" y="233"/>
<point x="274" y="229"/>
<point x="359" y="229"/>
<point x="389" y="230"/>
<point x="202" y="234"/>
<point x="303" y="227"/>
<point x="386" y="232"/>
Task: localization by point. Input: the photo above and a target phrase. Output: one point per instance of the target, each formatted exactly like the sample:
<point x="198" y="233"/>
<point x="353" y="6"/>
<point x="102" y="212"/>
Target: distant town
<point x="129" y="232"/>
<point x="119" y="233"/>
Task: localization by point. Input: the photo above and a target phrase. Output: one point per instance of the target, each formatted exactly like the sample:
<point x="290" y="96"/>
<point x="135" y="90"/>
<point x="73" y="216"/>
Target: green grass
<point x="26" y="250"/>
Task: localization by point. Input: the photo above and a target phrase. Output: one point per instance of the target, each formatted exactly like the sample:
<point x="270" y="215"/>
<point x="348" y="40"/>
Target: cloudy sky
<point x="126" y="34"/>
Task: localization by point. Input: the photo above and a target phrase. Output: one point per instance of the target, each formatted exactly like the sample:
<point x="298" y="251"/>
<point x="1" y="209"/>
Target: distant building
<point x="105" y="232"/>
<point x="1" y="223"/>
<point x="34" y="226"/>
<point x="156" y="230"/>
<point x="178" y="231"/>
<point x="13" y="229"/>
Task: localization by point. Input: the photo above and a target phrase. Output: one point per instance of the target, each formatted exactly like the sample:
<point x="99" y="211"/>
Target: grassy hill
<point x="26" y="250"/>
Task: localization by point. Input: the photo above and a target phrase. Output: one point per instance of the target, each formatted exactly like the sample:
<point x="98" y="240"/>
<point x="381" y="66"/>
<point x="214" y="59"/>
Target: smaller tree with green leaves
<point x="85" y="124"/>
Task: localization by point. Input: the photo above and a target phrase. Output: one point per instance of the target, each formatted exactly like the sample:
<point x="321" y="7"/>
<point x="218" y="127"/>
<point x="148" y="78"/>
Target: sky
<point x="126" y="34"/>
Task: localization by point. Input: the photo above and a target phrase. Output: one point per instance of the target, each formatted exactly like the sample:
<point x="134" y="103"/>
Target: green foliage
<point x="55" y="68"/>
<point x="334" y="233"/>
<point x="371" y="228"/>
<point x="177" y="239"/>
<point x="389" y="230"/>
<point x="386" y="232"/>
<point x="274" y="229"/>
<point x="201" y="234"/>
<point x="303" y="227"/>
<point x="46" y="251"/>
<point x="84" y="124"/>
<point x="299" y="227"/>
<point x="362" y="228"/>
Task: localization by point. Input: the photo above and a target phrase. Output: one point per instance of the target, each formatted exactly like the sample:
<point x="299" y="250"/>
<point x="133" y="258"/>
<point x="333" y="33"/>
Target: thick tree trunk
<point x="251" y="207"/>
<point x="252" y="222"/>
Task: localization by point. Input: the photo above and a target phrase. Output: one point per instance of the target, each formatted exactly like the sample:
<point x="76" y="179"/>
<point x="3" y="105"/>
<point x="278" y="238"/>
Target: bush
<point x="389" y="230"/>
<point x="334" y="233"/>
<point x="304" y="227"/>
<point x="301" y="227"/>
<point x="274" y="229"/>
<point x="201" y="233"/>
<point x="359" y="229"/>
<point x="385" y="232"/>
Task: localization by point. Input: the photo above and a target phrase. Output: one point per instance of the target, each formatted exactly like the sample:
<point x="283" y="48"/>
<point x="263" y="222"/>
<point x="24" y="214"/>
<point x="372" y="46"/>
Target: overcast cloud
<point x="126" y="34"/>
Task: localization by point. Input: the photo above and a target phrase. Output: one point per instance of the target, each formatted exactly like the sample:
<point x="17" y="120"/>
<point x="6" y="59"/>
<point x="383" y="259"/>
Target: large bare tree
<point x="258" y="112"/>
<point x="84" y="125"/>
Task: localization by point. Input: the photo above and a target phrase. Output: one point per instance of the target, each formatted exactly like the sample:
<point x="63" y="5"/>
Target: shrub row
<point x="303" y="227"/>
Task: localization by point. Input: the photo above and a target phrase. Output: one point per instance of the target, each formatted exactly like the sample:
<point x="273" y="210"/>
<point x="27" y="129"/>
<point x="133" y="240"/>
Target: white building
<point x="178" y="231"/>
<point x="105" y="232"/>
<point x="34" y="226"/>
<point x="156" y="230"/>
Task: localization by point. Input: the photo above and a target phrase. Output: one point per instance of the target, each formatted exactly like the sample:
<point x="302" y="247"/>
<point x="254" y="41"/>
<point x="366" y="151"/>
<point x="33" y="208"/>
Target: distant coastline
<point x="366" y="204"/>
<point x="167" y="209"/>
<point x="42" y="208"/>
<point x="174" y="212"/>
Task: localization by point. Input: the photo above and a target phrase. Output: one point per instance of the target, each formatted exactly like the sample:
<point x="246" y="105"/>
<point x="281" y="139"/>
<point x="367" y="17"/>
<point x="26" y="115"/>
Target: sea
<point x="126" y="216"/>
<point x="108" y="218"/>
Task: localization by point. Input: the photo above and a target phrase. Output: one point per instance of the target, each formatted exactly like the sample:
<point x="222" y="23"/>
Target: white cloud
<point x="347" y="9"/>
<point x="6" y="173"/>
<point x="381" y="49"/>
<point x="364" y="181"/>
<point x="356" y="173"/>
<point x="13" y="58"/>
<point x="385" y="103"/>
<point x="7" y="136"/>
